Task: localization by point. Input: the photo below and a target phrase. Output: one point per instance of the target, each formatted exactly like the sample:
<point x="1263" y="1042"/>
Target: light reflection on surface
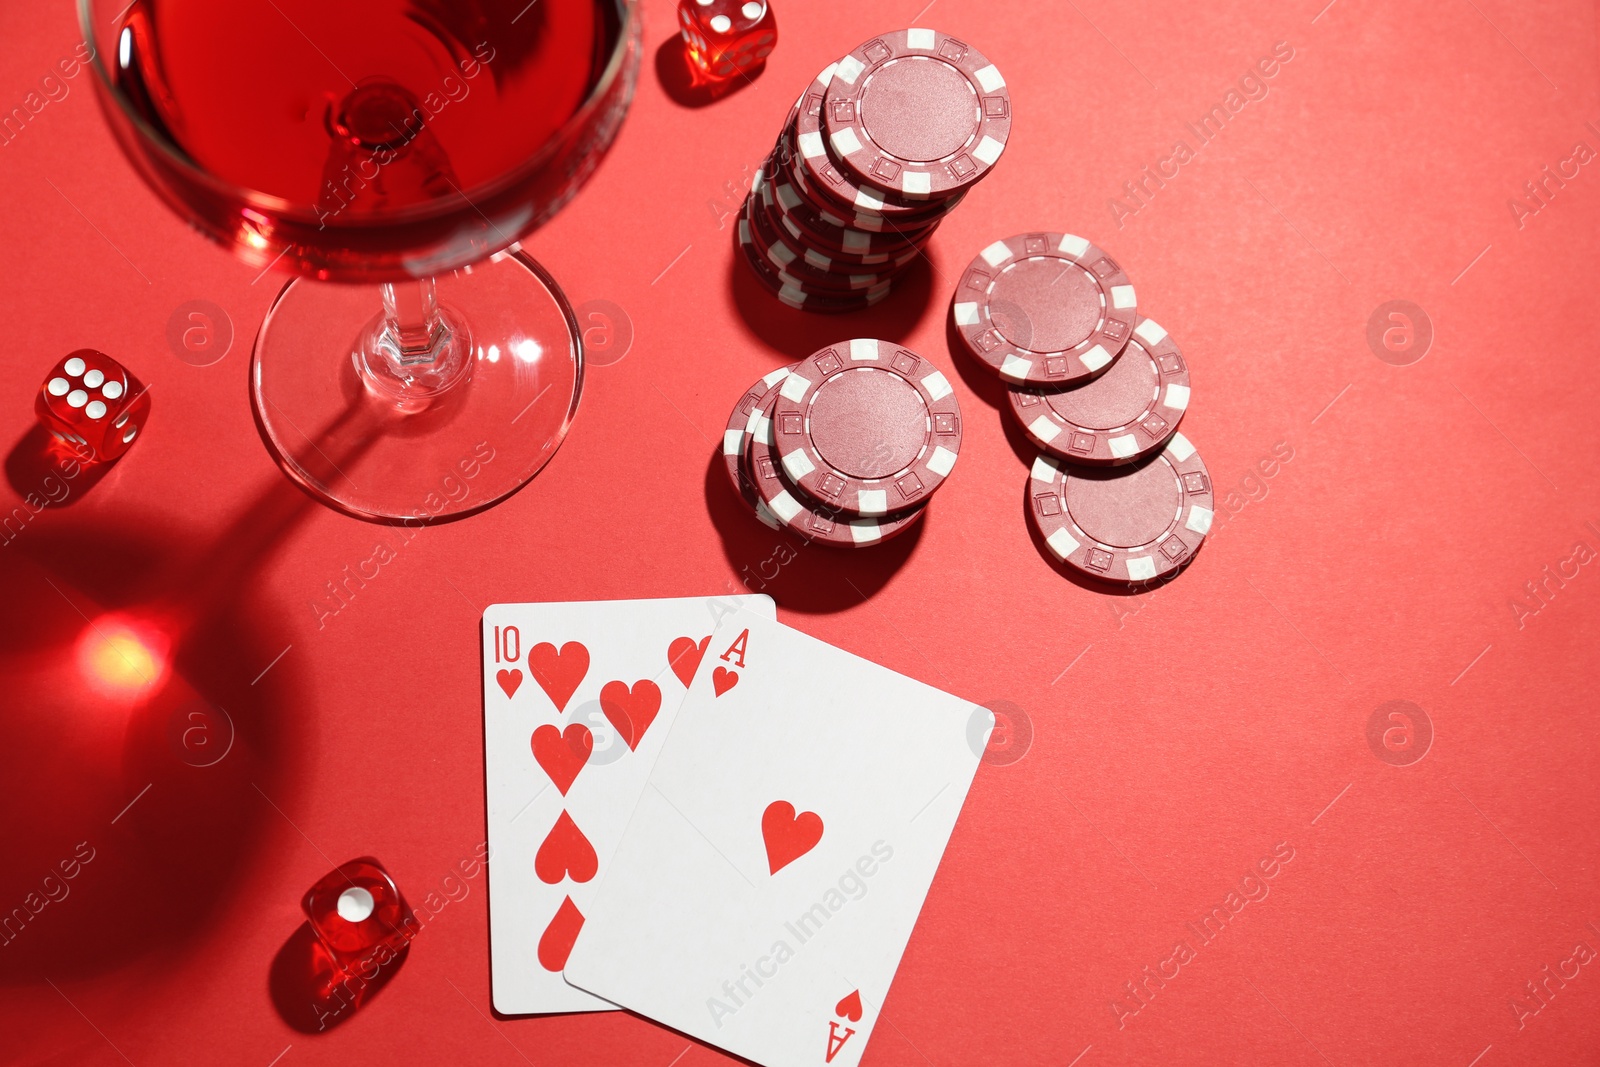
<point x="122" y="656"/>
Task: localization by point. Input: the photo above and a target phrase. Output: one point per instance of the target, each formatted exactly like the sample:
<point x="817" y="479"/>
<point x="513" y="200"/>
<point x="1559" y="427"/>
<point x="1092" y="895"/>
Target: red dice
<point x="727" y="38"/>
<point x="359" y="915"/>
<point x="90" y="401"/>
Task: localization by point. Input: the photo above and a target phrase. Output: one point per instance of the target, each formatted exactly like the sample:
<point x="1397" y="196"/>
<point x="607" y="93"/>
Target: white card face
<point x="768" y="882"/>
<point x="577" y="700"/>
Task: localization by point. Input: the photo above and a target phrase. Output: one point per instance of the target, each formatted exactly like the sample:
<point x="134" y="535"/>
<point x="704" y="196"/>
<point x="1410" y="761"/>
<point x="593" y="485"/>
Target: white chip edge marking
<point x="937" y="384"/>
<point x="733" y="442"/>
<point x="1073" y="245"/>
<point x="1062" y="543"/>
<point x="1095" y="358"/>
<point x="922" y="40"/>
<point x="1122" y="297"/>
<point x="847" y="70"/>
<point x="795" y="387"/>
<point x="1044" y="430"/>
<point x="989" y="78"/>
<point x="1180" y="447"/>
<point x="845" y="141"/>
<point x="765" y="516"/>
<point x="785" y="506"/>
<point x="1177" y="397"/>
<point x="942" y="461"/>
<point x="811" y="145"/>
<point x="866" y="199"/>
<point x="916" y="183"/>
<point x="1016" y="368"/>
<point x="818" y="260"/>
<point x="1124" y="446"/>
<point x="1141" y="568"/>
<point x="1044" y="470"/>
<point x="857" y="243"/>
<point x="865" y="533"/>
<point x="1150" y="332"/>
<point x="872" y="501"/>
<point x="966" y="313"/>
<point x="996" y="254"/>
<point x="989" y="149"/>
<point x="864" y="348"/>
<point x="798" y="465"/>
<point x="1199" y="520"/>
<point x="787" y="197"/>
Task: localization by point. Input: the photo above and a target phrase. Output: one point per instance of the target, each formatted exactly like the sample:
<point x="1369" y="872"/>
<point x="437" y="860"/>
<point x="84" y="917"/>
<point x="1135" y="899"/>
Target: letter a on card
<point x="736" y="651"/>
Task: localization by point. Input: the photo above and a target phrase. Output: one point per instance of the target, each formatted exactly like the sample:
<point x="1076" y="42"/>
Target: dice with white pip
<point x="727" y="38"/>
<point x="92" y="403"/>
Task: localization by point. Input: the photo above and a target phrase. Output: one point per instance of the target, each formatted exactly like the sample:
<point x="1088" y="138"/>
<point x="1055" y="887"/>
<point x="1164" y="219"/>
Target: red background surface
<point x="1177" y="736"/>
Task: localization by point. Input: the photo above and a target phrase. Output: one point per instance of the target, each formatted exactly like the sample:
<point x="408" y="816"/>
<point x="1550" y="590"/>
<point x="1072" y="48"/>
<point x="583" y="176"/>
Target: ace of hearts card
<point x="577" y="698"/>
<point x="769" y="879"/>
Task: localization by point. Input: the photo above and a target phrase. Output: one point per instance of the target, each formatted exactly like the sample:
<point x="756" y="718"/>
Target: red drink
<point x="368" y="139"/>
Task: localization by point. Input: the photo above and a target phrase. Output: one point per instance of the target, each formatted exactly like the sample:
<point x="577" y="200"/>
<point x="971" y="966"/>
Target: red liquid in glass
<point x="368" y="138"/>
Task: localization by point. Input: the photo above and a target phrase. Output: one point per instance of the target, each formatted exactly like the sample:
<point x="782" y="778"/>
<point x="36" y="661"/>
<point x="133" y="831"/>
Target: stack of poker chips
<point x="846" y="447"/>
<point x="879" y="148"/>
<point x="1117" y="493"/>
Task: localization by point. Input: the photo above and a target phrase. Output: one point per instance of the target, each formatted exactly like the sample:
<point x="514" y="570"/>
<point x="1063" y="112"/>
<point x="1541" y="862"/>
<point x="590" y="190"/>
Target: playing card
<point x="768" y="881"/>
<point x="577" y="698"/>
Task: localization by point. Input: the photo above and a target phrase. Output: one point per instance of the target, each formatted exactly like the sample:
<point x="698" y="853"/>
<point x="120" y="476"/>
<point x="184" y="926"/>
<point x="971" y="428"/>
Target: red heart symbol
<point x="631" y="712"/>
<point x="565" y="852"/>
<point x="684" y="654"/>
<point x="555" y="944"/>
<point x="788" y="836"/>
<point x="849" y="1007"/>
<point x="563" y="754"/>
<point x="722" y="680"/>
<point x="510" y="681"/>
<point x="558" y="673"/>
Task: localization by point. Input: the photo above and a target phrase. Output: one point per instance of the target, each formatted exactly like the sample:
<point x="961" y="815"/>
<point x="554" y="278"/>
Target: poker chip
<point x="822" y="171"/>
<point x="811" y="521"/>
<point x="1045" y="308"/>
<point x="1129" y="524"/>
<point x="1123" y="415"/>
<point x="813" y="269"/>
<point x="916" y="113"/>
<point x="866" y="427"/>
<point x="793" y="291"/>
<point x="821" y="239"/>
<point x="824" y="230"/>
<point x="736" y="436"/>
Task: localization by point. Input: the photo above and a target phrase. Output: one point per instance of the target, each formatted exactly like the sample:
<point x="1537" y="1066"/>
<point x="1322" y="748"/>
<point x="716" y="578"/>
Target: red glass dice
<point x="727" y="38"/>
<point x="90" y="401"/>
<point x="359" y="916"/>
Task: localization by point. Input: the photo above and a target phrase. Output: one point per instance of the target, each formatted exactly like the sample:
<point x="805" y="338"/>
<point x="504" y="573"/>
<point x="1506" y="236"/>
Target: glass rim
<point x="277" y="205"/>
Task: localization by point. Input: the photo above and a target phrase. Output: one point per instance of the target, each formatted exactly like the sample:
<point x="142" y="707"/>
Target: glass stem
<point x="414" y="330"/>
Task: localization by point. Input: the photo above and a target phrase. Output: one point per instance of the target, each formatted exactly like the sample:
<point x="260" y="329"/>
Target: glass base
<point x="426" y="447"/>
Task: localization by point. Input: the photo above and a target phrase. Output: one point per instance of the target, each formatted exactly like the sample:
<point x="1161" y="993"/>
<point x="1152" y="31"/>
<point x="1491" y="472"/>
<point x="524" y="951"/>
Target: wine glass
<point x="392" y="153"/>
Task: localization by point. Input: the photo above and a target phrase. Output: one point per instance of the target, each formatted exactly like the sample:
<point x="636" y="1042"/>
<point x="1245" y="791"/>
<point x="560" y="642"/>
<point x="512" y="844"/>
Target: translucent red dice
<point x="89" y="399"/>
<point x="359" y="915"/>
<point x="727" y="38"/>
